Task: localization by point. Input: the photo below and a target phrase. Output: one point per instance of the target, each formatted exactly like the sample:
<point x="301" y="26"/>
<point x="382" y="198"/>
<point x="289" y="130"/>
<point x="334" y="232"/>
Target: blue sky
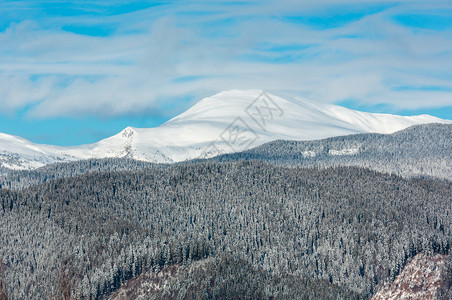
<point x="76" y="72"/>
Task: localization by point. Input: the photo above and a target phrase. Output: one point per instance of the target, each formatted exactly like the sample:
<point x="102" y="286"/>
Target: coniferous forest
<point x="243" y="229"/>
<point x="418" y="151"/>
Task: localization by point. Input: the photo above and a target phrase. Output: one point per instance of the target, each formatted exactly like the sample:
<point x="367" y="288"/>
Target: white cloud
<point x="137" y="67"/>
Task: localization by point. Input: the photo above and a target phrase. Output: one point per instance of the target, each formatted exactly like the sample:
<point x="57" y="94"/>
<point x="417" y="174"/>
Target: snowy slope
<point x="230" y="121"/>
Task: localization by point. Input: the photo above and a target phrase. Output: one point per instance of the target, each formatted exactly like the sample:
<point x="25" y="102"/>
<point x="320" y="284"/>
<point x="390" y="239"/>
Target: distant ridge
<point x="418" y="151"/>
<point x="230" y="121"/>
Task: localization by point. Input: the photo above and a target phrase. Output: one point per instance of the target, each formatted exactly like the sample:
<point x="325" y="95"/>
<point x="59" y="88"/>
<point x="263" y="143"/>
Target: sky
<point x="76" y="72"/>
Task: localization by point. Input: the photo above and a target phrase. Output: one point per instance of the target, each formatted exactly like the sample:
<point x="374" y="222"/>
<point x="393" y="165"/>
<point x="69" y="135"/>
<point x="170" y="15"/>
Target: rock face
<point x="424" y="278"/>
<point x="147" y="284"/>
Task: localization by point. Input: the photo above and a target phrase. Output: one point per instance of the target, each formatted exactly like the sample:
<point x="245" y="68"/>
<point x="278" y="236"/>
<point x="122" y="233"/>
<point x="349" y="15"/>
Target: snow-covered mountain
<point x="230" y="121"/>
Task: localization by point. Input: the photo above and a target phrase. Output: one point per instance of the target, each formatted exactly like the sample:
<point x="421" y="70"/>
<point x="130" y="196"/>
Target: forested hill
<point x="18" y="179"/>
<point x="419" y="151"/>
<point x="422" y="150"/>
<point x="347" y="229"/>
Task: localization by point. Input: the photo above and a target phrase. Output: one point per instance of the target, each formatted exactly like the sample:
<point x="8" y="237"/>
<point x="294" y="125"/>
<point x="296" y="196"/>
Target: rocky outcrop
<point x="424" y="278"/>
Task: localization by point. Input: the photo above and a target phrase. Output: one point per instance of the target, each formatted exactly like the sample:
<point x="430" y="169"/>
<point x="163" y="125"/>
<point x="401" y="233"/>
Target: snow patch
<point x="351" y="151"/>
<point x="308" y="153"/>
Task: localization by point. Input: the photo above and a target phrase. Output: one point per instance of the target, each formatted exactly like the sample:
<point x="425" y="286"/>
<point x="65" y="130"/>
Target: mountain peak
<point x="238" y="92"/>
<point x="230" y="121"/>
<point x="128" y="132"/>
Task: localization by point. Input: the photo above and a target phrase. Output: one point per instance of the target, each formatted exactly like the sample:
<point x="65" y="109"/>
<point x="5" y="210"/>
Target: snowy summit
<point x="229" y="121"/>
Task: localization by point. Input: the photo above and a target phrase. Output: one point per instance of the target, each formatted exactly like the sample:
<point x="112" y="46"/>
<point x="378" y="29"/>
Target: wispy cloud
<point x="111" y="58"/>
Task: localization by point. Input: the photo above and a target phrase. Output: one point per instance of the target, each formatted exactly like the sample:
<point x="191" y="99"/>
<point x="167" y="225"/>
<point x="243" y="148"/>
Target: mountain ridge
<point x="417" y="151"/>
<point x="230" y="121"/>
<point x="420" y="151"/>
